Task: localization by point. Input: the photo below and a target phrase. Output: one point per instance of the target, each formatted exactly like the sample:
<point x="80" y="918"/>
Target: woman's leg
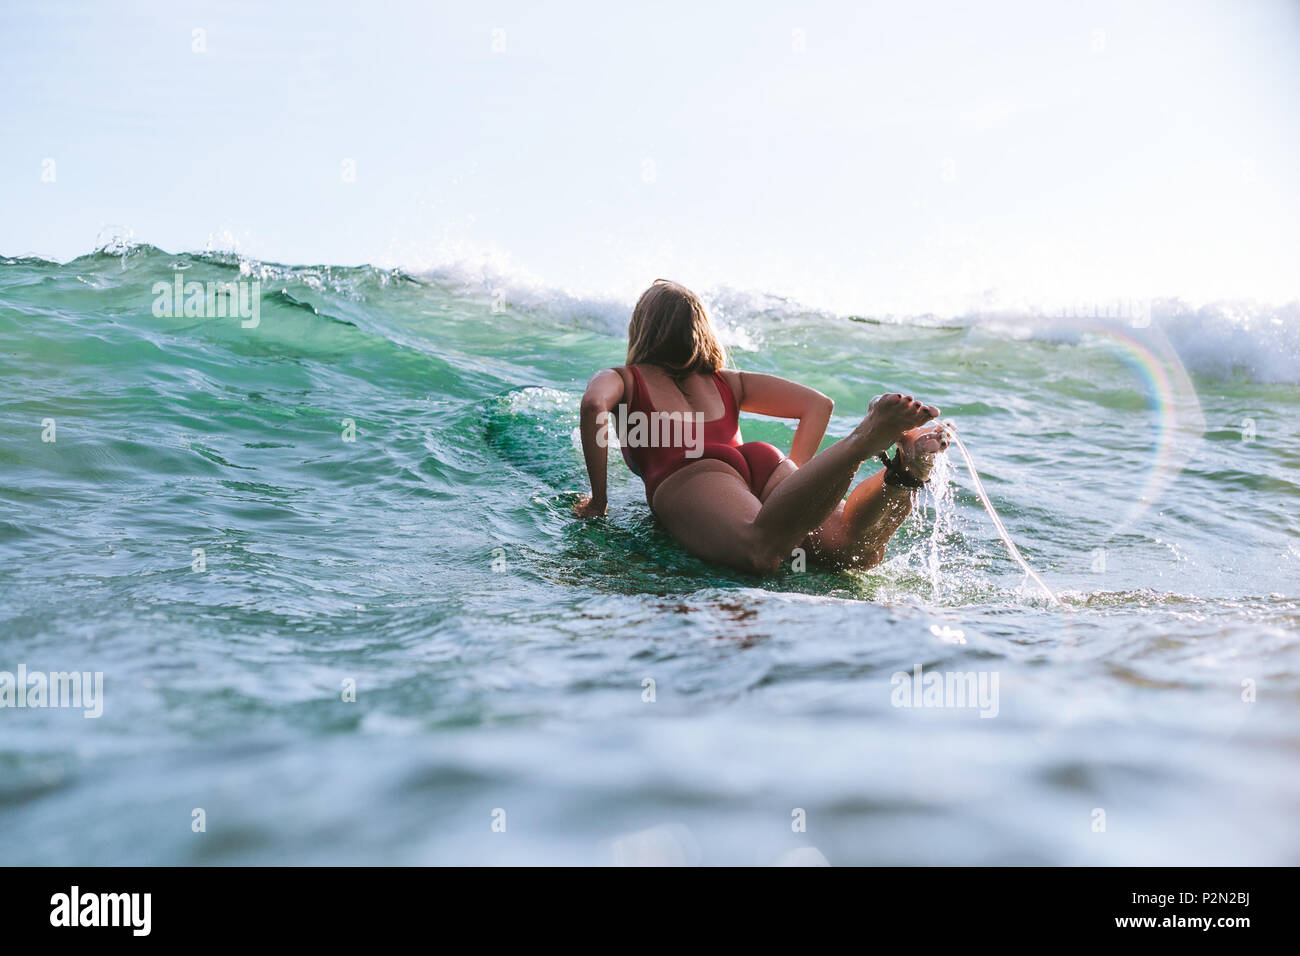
<point x="856" y="534"/>
<point x="710" y="509"/>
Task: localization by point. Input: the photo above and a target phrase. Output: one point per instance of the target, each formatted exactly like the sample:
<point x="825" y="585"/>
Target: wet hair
<point x="670" y="329"/>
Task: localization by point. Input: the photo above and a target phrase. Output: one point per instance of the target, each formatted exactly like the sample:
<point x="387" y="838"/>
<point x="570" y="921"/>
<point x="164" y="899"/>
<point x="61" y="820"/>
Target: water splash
<point x="940" y="498"/>
<point x="993" y="515"/>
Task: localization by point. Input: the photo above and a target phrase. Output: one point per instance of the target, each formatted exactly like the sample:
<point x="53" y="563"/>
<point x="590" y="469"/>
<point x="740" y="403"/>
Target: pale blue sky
<point x="913" y="156"/>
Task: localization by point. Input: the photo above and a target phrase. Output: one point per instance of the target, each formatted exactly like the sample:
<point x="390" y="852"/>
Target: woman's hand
<point x="589" y="507"/>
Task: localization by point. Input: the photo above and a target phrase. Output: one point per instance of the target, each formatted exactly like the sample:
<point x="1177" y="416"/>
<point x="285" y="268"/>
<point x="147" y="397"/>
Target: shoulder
<point x="610" y="382"/>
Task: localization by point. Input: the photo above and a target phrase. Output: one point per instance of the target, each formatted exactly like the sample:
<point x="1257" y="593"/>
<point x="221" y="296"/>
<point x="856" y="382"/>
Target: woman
<point x="744" y="504"/>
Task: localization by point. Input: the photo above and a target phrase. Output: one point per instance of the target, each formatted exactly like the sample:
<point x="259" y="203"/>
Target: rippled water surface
<point x="504" y="654"/>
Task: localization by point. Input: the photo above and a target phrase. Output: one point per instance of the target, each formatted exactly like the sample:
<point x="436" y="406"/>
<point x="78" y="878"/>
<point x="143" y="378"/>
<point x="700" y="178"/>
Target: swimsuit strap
<point x="640" y="394"/>
<point x="730" y="411"/>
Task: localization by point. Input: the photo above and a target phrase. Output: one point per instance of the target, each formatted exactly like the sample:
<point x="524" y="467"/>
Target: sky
<point x="903" y="157"/>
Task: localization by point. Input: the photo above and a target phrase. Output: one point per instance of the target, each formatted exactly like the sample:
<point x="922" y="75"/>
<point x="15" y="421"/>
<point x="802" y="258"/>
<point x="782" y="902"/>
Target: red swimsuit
<point x="754" y="461"/>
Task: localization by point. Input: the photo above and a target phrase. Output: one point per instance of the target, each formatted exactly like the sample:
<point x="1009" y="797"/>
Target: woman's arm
<point x="604" y="392"/>
<point x="781" y="398"/>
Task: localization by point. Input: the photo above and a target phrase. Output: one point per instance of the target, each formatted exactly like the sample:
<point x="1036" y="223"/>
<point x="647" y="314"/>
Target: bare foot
<point x="889" y="416"/>
<point x="918" y="447"/>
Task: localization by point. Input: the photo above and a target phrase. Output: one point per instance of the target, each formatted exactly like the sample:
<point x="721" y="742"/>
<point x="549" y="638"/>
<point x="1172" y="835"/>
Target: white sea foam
<point x="1251" y="340"/>
<point x="1255" y="341"/>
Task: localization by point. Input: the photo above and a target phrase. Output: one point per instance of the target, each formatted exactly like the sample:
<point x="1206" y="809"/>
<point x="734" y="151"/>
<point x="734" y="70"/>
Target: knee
<point x="762" y="560"/>
<point x="871" y="558"/>
<point x="763" y="565"/>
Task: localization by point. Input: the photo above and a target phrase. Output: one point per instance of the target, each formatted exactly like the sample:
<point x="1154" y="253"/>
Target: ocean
<point x="322" y="560"/>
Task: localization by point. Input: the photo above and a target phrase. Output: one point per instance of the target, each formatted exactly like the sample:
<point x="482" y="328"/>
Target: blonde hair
<point x="671" y="330"/>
